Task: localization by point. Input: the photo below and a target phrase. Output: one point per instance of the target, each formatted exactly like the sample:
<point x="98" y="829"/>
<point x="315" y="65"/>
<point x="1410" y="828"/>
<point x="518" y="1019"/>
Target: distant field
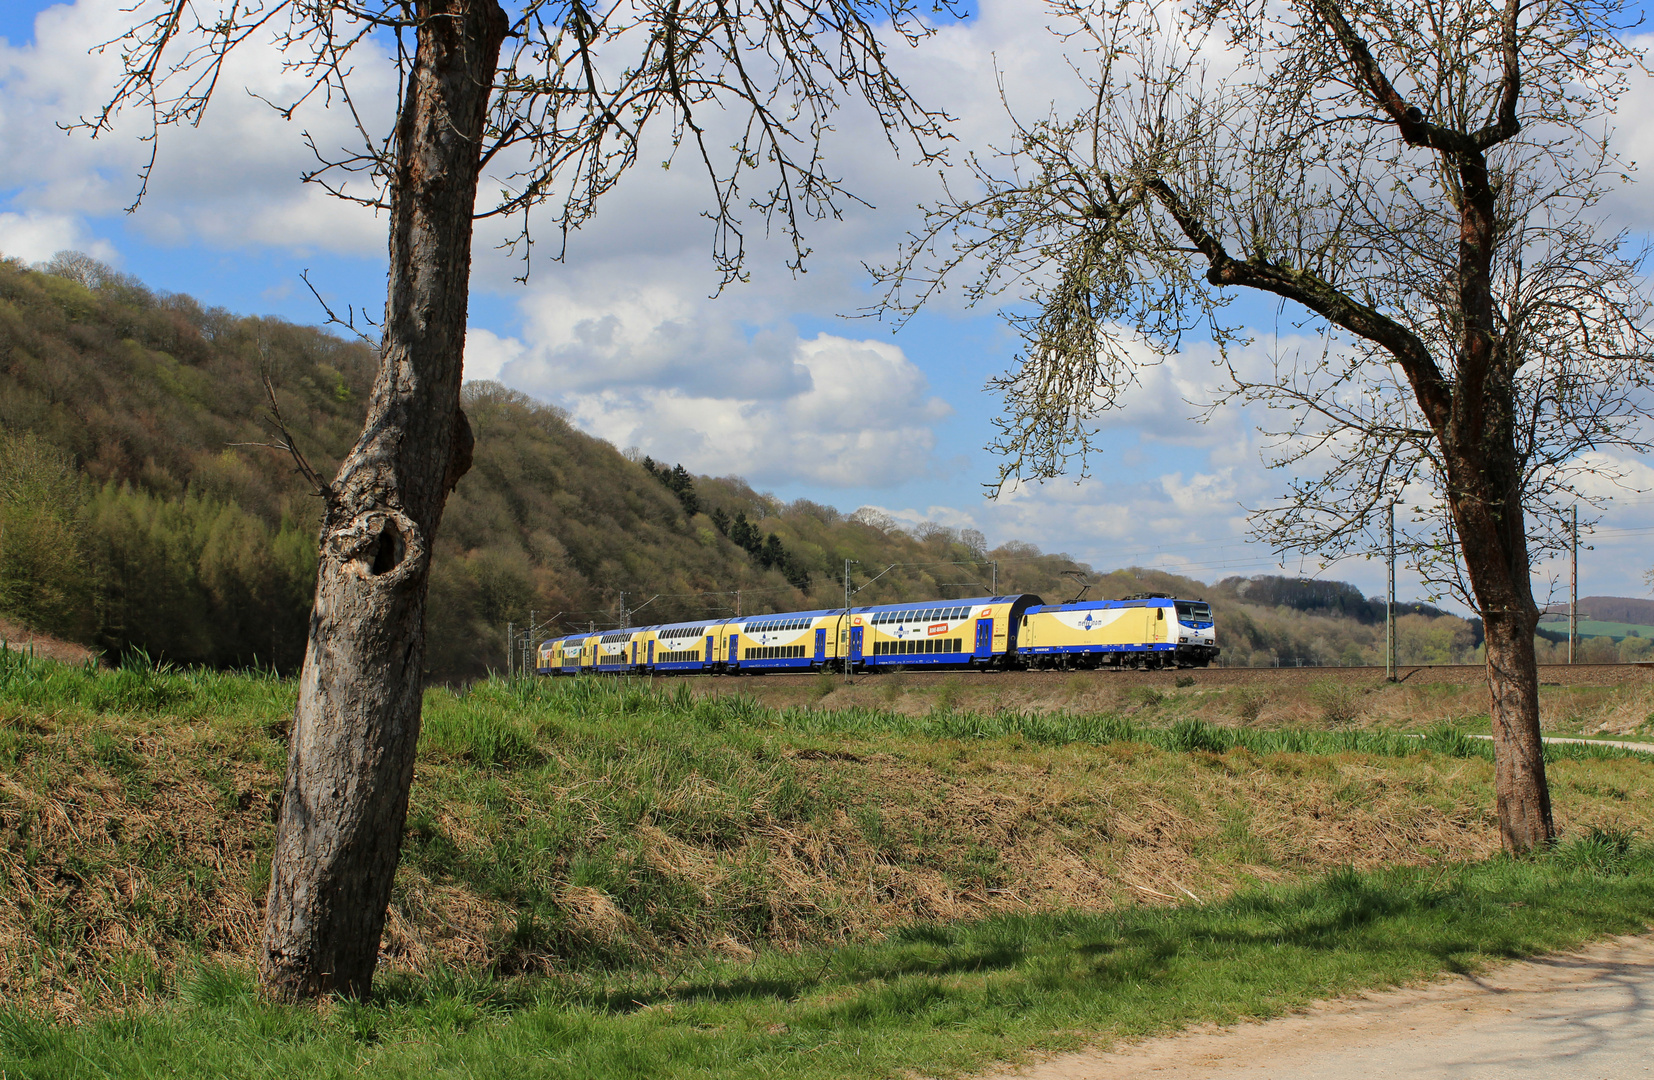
<point x="1594" y="628"/>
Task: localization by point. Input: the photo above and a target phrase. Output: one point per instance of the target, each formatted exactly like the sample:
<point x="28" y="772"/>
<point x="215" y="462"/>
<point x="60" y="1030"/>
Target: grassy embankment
<point x="1615" y="702"/>
<point x="614" y="880"/>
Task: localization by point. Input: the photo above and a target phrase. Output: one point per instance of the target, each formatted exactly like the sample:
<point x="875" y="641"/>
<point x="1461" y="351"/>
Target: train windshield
<point x="1194" y="612"/>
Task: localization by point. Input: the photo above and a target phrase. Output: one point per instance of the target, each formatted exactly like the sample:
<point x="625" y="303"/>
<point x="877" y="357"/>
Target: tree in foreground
<point x="1419" y="179"/>
<point x="553" y="120"/>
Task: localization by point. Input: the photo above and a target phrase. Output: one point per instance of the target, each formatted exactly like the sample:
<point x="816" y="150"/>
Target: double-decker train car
<point x="793" y="641"/>
<point x="987" y="632"/>
<point x="680" y="648"/>
<point x="1140" y="631"/>
<point x="960" y="633"/>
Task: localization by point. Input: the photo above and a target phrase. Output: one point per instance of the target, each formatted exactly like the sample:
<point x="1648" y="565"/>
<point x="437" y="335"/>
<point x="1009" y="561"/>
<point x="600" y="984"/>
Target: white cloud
<point x="828" y="410"/>
<point x="232" y="181"/>
<point x="35" y="236"/>
<point x="651" y="337"/>
<point x="487" y="354"/>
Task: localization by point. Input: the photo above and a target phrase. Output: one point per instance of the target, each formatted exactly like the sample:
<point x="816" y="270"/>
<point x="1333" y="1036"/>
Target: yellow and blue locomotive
<point x="1146" y="631"/>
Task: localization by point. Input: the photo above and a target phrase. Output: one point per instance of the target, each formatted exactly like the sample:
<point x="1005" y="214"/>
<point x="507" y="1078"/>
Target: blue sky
<point x="769" y="380"/>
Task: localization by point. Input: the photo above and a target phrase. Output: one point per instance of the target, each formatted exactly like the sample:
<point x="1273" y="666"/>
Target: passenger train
<point x="988" y="633"/>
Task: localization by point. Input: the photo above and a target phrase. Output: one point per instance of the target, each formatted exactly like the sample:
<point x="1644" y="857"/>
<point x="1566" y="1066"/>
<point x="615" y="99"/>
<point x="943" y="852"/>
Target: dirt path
<point x="1587" y="1015"/>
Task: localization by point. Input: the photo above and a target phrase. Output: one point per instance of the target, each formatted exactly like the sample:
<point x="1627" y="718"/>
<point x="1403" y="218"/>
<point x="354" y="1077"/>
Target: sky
<point x="780" y="379"/>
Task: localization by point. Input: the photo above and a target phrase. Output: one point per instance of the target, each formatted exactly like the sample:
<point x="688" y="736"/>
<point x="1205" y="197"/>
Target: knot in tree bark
<point x="382" y="544"/>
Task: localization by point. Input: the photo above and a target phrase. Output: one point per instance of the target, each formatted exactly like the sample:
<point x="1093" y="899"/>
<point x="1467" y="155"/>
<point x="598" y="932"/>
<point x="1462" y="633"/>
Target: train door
<point x="821" y="645"/>
<point x="634" y="654"/>
<point x="711" y="647"/>
<point x="855" y="644"/>
<point x="984" y="637"/>
<point x="650" y="653"/>
<point x="734" y="657"/>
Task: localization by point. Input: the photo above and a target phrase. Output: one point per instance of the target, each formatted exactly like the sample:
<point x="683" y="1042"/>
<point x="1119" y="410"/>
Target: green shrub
<point x="1339" y="702"/>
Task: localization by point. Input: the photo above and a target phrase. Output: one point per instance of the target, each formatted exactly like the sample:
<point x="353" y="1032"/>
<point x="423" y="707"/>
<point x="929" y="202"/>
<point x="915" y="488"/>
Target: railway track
<point x="1411" y="674"/>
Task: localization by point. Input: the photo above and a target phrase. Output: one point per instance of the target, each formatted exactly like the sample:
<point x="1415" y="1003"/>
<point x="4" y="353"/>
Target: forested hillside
<point x="142" y="507"/>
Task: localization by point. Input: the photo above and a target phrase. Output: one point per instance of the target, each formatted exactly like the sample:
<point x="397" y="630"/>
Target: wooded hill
<point x="141" y="507"/>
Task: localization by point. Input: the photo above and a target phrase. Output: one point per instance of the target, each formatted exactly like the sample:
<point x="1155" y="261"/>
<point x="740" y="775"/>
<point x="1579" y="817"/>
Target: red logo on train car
<point x="936" y="628"/>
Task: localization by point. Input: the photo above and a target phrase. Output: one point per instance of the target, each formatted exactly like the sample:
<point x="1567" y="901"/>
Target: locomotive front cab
<point x="1196" y="633"/>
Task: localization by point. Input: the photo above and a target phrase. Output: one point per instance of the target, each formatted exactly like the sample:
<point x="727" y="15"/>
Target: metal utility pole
<point x="993" y="581"/>
<point x="510" y="644"/>
<point x="528" y="644"/>
<point x="1390" y="606"/>
<point x="844" y="642"/>
<point x="1573" y="587"/>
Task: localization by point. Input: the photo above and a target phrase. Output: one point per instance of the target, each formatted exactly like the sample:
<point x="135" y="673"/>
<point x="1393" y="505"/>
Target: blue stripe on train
<point x="1139" y="647"/>
<point x="910" y="659"/>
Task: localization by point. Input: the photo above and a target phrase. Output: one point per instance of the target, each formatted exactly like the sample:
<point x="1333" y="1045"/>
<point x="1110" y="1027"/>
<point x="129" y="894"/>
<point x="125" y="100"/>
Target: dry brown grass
<point x="20" y="638"/>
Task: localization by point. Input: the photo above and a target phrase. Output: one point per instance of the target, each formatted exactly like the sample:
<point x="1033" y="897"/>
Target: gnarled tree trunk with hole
<point x="356" y="726"/>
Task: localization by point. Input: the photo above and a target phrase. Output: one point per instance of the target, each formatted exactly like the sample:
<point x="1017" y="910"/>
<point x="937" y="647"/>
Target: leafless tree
<point x="1416" y="180"/>
<point x="552" y="102"/>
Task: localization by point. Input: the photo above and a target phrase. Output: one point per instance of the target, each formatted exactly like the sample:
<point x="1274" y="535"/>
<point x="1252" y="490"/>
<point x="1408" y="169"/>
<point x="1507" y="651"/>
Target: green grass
<point x="932" y="999"/>
<point x="476" y="731"/>
<point x="139" y="687"/>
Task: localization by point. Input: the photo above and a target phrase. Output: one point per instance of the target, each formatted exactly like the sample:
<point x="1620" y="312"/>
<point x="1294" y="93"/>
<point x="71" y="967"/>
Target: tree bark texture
<point x="356" y="726"/>
<point x="1487" y="513"/>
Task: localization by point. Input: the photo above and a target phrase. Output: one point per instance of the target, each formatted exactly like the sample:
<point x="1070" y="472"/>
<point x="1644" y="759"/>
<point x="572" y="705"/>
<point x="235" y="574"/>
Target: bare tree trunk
<point x="1487" y="510"/>
<point x="356" y="727"/>
<point x="1522" y="796"/>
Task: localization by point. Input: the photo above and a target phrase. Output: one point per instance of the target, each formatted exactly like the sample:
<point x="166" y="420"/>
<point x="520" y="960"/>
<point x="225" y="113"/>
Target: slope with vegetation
<point x="593" y="864"/>
<point x="143" y="508"/>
